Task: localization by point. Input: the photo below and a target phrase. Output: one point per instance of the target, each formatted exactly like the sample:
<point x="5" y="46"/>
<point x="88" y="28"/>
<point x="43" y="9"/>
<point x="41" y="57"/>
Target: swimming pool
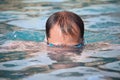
<point x="24" y="20"/>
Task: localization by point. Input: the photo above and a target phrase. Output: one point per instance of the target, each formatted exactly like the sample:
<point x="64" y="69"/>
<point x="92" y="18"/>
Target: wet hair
<point x="66" y="20"/>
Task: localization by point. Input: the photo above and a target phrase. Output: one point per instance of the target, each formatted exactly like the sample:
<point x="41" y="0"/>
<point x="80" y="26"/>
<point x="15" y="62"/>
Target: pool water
<point x="24" y="20"/>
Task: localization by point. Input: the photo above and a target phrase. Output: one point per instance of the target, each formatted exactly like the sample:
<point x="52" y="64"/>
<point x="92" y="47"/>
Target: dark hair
<point x="66" y="20"/>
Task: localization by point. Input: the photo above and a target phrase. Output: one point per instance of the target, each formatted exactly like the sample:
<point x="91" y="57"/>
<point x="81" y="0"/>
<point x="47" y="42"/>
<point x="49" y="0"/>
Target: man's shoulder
<point x="22" y="45"/>
<point x="101" y="46"/>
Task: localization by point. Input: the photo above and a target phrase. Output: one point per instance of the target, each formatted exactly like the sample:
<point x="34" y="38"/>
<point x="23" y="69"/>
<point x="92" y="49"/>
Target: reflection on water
<point x="60" y="64"/>
<point x="25" y="20"/>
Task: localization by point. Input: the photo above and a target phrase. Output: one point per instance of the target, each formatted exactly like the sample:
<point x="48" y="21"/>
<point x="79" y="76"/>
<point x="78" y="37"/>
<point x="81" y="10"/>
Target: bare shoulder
<point x="22" y="45"/>
<point x="101" y="46"/>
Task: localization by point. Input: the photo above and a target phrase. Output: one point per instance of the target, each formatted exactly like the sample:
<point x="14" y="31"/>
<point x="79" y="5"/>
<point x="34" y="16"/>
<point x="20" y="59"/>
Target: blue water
<point x="24" y="20"/>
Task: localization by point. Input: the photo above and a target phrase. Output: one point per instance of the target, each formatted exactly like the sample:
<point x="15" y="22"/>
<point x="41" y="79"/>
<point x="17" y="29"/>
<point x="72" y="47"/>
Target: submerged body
<point x="35" y="59"/>
<point x="43" y="46"/>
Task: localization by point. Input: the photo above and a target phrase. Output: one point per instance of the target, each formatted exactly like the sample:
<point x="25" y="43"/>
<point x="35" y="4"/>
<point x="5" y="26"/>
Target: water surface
<point x="24" y="20"/>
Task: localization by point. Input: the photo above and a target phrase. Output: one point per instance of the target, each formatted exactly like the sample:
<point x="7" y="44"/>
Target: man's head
<point x="64" y="28"/>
